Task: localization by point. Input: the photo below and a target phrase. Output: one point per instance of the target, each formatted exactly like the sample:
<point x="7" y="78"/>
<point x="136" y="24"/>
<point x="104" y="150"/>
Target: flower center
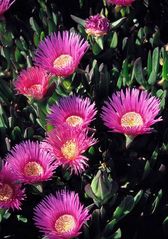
<point x="131" y="119"/>
<point x="63" y="61"/>
<point x="69" y="149"/>
<point x="36" y="88"/>
<point x="6" y="192"/>
<point x="33" y="169"/>
<point x="65" y="223"/>
<point x="74" y="120"/>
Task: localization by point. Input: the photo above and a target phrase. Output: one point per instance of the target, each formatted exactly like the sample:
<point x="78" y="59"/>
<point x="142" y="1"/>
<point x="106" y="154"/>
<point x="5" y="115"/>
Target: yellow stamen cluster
<point x="62" y="61"/>
<point x="33" y="169"/>
<point x="74" y="120"/>
<point x="65" y="223"/>
<point x="69" y="149"/>
<point x="131" y="119"/>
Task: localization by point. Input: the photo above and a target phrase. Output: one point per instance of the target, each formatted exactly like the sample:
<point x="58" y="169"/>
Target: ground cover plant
<point x="83" y="119"/>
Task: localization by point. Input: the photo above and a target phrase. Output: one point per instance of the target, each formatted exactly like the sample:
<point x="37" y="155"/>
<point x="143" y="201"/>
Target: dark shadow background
<point x="153" y="13"/>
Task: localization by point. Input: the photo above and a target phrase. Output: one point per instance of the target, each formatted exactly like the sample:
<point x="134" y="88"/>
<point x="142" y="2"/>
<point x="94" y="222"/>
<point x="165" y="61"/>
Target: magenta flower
<point x="97" y="25"/>
<point x="33" y="82"/>
<point x="68" y="146"/>
<point x="72" y="111"/>
<point x="131" y="113"/>
<point x="11" y="193"/>
<point x="61" y="53"/>
<point x="48" y="148"/>
<point x="61" y="216"/>
<point x="121" y="2"/>
<point x="30" y="163"/>
<point x="5" y="5"/>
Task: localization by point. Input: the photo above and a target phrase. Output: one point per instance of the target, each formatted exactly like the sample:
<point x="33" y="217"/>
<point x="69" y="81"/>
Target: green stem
<point x="129" y="140"/>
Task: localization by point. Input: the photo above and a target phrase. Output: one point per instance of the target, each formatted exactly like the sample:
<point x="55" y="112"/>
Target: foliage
<point x="125" y="188"/>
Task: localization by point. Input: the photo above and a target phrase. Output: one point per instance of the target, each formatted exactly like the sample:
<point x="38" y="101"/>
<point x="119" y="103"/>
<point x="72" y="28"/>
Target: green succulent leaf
<point x="78" y="20"/>
<point x="118" y="23"/>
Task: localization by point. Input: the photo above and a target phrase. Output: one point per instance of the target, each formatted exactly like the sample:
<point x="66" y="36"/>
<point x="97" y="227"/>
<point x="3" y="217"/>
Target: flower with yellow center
<point x="63" y="61"/>
<point x="61" y="216"/>
<point x="74" y="120"/>
<point x="6" y="192"/>
<point x="131" y="112"/>
<point x="33" y="169"/>
<point x="60" y="53"/>
<point x="69" y="144"/>
<point x="73" y="111"/>
<point x="31" y="163"/>
<point x="69" y="149"/>
<point x="65" y="223"/>
<point x="131" y="119"/>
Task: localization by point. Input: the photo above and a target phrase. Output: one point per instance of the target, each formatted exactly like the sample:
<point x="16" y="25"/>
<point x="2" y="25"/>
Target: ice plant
<point x="11" y="193"/>
<point x="30" y="163"/>
<point x="48" y="148"/>
<point x="121" y="2"/>
<point x="60" y="53"/>
<point x="97" y="25"/>
<point x="68" y="146"/>
<point x="5" y="5"/>
<point x="131" y="112"/>
<point x="60" y="216"/>
<point x="33" y="82"/>
<point x="73" y="111"/>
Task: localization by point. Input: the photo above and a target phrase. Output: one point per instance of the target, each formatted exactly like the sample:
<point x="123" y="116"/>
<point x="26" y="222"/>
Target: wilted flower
<point x="33" y="82"/>
<point x="11" y="193"/>
<point x="5" y="5"/>
<point x="68" y="145"/>
<point x="60" y="53"/>
<point x="121" y="2"/>
<point x="73" y="111"/>
<point x="61" y="216"/>
<point x="30" y="163"/>
<point x="131" y="113"/>
<point x="97" y="25"/>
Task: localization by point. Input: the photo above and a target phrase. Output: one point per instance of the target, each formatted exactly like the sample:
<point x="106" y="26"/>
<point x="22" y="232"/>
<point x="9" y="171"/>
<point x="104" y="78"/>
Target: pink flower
<point x="97" y="25"/>
<point x="121" y="2"/>
<point x="11" y="193"/>
<point x="48" y="148"/>
<point x="61" y="216"/>
<point x="131" y="113"/>
<point x="61" y="53"/>
<point x="72" y="111"/>
<point x="68" y="146"/>
<point x="33" y="82"/>
<point x="30" y="163"/>
<point x="5" y="5"/>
